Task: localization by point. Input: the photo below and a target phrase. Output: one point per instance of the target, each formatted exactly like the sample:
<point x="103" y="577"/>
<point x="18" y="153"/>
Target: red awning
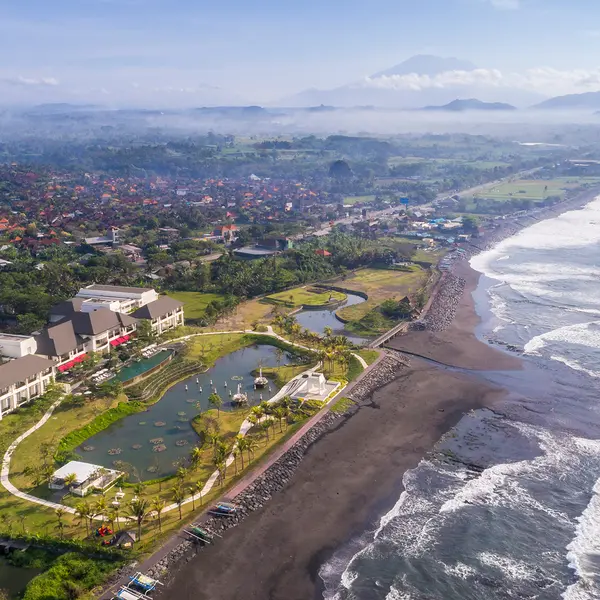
<point x="126" y="338"/>
<point x="64" y="367"/>
<point x="79" y="359"/>
<point x="115" y="342"/>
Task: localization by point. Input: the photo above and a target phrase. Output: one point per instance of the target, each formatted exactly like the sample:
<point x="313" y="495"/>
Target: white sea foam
<point x="583" y="553"/>
<point x="459" y="570"/>
<point x="515" y="569"/>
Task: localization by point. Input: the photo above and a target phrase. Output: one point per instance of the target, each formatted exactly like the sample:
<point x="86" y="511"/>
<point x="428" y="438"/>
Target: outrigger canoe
<point x="223" y="509"/>
<point x="200" y="534"/>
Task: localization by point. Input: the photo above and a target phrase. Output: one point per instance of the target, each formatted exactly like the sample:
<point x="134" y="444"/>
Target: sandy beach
<point x="351" y="475"/>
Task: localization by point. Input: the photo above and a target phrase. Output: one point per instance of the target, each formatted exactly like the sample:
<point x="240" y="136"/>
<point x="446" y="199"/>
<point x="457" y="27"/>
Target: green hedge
<point x="273" y="341"/>
<point x="101" y="422"/>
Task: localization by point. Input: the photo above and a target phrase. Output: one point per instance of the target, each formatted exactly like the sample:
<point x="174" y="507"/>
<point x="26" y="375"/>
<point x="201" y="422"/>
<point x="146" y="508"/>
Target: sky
<point x="164" y="53"/>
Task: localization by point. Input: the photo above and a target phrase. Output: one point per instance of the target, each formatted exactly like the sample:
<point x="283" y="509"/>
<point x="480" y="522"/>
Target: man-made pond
<point x="153" y="441"/>
<point x="13" y="579"/>
<point x="145" y="365"/>
<point x="317" y="320"/>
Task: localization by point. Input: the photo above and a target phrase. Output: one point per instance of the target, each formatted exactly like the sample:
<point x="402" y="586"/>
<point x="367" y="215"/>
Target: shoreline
<point x="278" y="543"/>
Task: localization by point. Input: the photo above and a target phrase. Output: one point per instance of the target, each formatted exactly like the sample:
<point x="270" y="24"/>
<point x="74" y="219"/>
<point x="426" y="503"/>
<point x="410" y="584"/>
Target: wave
<point x="583" y="553"/>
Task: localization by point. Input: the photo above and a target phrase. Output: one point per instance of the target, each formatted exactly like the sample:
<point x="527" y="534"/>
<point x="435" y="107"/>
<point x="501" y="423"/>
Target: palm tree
<point x="158" y="505"/>
<point x="178" y="498"/>
<point x="280" y="414"/>
<point x="113" y="517"/>
<point x="199" y="486"/>
<point x="82" y="512"/>
<point x="213" y="437"/>
<point x="265" y="425"/>
<point x="100" y="507"/>
<point x="252" y="445"/>
<point x="242" y="445"/>
<point x="182" y="473"/>
<point x="60" y="513"/>
<point x="328" y="331"/>
<point x="70" y="480"/>
<point x="221" y="467"/>
<point x="139" y="510"/>
<point x="258" y="411"/>
<point x="235" y="451"/>
<point x="192" y="490"/>
<point x="216" y="402"/>
<point x="138" y="489"/>
<point x="196" y="457"/>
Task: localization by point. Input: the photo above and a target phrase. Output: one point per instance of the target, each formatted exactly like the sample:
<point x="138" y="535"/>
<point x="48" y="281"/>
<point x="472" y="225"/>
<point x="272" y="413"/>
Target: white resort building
<point x="22" y="380"/>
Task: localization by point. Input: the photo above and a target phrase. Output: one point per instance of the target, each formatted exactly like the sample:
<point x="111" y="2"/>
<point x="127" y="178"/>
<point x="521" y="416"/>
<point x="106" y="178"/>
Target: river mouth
<point x="153" y="443"/>
<point x="317" y="320"/>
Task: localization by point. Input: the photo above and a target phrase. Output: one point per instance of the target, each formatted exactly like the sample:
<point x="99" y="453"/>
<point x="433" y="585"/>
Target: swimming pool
<point x="136" y="369"/>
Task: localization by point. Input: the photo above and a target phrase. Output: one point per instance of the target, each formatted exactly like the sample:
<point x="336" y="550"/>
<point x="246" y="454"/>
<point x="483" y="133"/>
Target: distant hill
<point x="408" y="85"/>
<point x="426" y="64"/>
<point x="471" y="104"/>
<point x="585" y="101"/>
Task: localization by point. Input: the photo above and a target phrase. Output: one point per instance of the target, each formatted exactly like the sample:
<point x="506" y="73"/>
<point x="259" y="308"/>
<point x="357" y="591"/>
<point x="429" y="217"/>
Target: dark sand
<point x="348" y="479"/>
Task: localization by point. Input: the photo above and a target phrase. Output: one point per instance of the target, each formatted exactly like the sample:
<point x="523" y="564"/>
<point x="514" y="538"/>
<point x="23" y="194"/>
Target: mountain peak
<point x="427" y="64"/>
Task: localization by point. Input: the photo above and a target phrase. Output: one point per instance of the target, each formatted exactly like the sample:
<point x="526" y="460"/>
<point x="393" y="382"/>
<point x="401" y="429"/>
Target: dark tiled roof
<point x="67" y="308"/>
<point x="158" y="308"/>
<point x="98" y="321"/>
<point x="58" y="339"/>
<point x="20" y="369"/>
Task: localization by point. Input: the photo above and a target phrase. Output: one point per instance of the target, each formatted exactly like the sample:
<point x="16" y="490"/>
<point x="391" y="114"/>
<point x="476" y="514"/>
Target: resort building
<point x="116" y="297"/>
<point x="22" y="380"/>
<point x="164" y="314"/>
<point x="88" y="477"/>
<point x="16" y="346"/>
<point x="70" y="339"/>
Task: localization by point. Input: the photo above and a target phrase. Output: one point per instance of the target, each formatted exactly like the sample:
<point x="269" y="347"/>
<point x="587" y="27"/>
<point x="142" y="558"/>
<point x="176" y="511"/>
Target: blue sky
<point x="186" y="52"/>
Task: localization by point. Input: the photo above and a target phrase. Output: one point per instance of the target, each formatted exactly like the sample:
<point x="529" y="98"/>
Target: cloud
<point x="30" y="81"/>
<point x="544" y="80"/>
<point x="506" y="4"/>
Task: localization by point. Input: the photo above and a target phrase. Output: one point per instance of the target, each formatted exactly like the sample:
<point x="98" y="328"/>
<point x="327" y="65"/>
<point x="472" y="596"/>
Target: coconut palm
<point x="100" y="508"/>
<point x="199" y="487"/>
<point x="221" y="467"/>
<point x="138" y="489"/>
<point x="60" y="513"/>
<point x="252" y="445"/>
<point x="178" y="497"/>
<point x="196" y="457"/>
<point x="328" y="331"/>
<point x="258" y="411"/>
<point x="235" y="451"/>
<point x="213" y="438"/>
<point x="158" y="505"/>
<point x="82" y="512"/>
<point x="113" y="517"/>
<point x="242" y="445"/>
<point x="280" y="414"/>
<point x="216" y="402"/>
<point x="265" y="426"/>
<point x="182" y="473"/>
<point x="70" y="480"/>
<point x="138" y="509"/>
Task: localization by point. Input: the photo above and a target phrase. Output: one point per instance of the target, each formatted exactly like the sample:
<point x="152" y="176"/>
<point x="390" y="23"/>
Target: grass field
<point x="534" y="189"/>
<point x="194" y="302"/>
<point x="379" y="285"/>
<point x="351" y="200"/>
<point x="304" y="296"/>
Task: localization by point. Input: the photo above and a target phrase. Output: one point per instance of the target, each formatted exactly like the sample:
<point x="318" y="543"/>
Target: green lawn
<point x="358" y="199"/>
<point x="306" y="296"/>
<point x="534" y="189"/>
<point x="370" y="356"/>
<point x="194" y="302"/>
<point x="379" y="285"/>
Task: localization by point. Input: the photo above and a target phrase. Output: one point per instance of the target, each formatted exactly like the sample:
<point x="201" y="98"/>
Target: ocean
<point x="508" y="504"/>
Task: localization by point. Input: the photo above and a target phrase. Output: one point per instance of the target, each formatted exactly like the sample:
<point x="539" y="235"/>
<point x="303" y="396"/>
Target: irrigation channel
<point x="155" y="440"/>
<point x="317" y="320"/>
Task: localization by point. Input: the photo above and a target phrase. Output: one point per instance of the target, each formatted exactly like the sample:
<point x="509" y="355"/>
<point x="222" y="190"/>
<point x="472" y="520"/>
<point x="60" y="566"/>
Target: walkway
<point x="245" y="427"/>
